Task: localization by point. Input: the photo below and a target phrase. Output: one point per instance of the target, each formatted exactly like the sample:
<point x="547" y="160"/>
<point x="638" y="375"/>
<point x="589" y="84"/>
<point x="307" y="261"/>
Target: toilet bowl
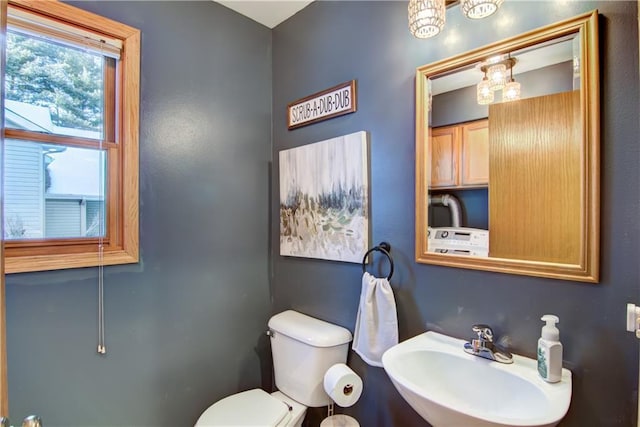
<point x="303" y="349"/>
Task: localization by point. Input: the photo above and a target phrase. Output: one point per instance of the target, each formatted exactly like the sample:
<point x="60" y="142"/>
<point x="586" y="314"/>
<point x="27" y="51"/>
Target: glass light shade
<point x="511" y="91"/>
<point x="477" y="9"/>
<point x="426" y="17"/>
<point x="484" y="94"/>
<point x="497" y="76"/>
<point x="495" y="59"/>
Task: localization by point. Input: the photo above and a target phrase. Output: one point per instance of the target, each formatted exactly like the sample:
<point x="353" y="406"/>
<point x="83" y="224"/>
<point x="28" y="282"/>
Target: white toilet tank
<point x="303" y="348"/>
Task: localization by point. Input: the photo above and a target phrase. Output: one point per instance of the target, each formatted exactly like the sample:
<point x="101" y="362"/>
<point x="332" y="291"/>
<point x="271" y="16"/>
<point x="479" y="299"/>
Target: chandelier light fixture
<point x="478" y="9"/>
<point x="426" y="17"/>
<point x="495" y="79"/>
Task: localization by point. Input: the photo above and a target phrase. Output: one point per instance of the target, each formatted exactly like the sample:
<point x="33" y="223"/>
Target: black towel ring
<point x="383" y="247"/>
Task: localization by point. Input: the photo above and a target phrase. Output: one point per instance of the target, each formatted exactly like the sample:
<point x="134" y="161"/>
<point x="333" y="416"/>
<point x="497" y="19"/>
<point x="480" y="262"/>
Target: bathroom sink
<point x="449" y="387"/>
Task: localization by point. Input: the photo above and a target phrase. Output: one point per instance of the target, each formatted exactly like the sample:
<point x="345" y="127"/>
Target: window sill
<point x="23" y="264"/>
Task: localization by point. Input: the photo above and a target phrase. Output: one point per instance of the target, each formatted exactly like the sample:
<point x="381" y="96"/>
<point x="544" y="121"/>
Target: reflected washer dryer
<point x="458" y="241"/>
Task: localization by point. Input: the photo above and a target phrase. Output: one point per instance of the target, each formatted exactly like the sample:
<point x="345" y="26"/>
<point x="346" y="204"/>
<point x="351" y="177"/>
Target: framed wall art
<point x="324" y="199"/>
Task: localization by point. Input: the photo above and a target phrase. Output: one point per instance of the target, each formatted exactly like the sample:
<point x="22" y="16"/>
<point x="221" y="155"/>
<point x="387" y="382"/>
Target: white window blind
<point x="60" y="32"/>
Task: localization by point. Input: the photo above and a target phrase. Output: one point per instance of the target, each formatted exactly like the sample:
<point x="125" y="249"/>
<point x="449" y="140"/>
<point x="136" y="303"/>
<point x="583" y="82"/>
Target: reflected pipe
<point x="452" y="203"/>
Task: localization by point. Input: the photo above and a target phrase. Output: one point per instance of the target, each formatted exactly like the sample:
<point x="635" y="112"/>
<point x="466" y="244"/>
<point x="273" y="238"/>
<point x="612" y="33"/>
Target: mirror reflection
<point x="507" y="155"/>
<point x="468" y="145"/>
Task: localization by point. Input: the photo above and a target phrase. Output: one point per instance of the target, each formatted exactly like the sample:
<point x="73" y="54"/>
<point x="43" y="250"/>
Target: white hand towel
<point x="377" y="322"/>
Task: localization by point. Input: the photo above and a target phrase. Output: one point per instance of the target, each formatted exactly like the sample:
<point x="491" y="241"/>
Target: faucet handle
<point x="32" y="421"/>
<point x="484" y="332"/>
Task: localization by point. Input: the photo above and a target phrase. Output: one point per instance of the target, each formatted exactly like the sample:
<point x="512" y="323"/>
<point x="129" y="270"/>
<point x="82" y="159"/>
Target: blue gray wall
<point x="451" y="107"/>
<point x="184" y="327"/>
<point x="332" y="42"/>
<point x="474" y="207"/>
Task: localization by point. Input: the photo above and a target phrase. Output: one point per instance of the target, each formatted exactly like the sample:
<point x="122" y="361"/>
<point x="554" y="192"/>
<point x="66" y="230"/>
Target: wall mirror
<point x="507" y="155"/>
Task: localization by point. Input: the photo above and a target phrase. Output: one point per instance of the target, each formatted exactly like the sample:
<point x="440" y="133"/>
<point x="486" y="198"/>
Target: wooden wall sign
<point x="332" y="102"/>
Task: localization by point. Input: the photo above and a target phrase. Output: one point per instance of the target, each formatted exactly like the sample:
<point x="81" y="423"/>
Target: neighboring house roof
<point x="20" y="115"/>
<point x="73" y="171"/>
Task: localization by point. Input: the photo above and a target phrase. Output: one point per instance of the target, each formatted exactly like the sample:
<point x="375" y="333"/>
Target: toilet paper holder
<point x="342" y="385"/>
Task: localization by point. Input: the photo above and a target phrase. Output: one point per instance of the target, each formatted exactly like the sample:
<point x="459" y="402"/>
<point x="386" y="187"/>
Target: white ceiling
<point x="267" y="12"/>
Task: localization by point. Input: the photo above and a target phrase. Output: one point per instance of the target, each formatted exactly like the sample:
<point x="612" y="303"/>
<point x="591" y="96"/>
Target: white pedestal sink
<point x="449" y="387"/>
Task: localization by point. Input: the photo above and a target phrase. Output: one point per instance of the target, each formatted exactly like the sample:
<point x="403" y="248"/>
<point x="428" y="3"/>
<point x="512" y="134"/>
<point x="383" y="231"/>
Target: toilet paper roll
<point x="343" y="385"/>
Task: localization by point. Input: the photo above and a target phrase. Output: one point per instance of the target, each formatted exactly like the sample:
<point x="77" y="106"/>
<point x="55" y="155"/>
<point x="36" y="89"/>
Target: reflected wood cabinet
<point x="460" y="155"/>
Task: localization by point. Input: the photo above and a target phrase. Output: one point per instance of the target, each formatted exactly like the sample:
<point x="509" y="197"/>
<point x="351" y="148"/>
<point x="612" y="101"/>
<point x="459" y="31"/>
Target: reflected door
<point x="536" y="179"/>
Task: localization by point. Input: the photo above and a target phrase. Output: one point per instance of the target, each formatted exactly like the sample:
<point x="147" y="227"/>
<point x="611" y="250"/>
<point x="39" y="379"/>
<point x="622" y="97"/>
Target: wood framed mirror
<point x="508" y="177"/>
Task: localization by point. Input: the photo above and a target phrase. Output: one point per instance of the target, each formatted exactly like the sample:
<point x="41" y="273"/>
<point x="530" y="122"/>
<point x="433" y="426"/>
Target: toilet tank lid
<point x="309" y="330"/>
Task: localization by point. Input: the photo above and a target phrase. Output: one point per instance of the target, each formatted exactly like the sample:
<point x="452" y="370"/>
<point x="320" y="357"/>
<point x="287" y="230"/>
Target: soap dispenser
<point x="550" y="350"/>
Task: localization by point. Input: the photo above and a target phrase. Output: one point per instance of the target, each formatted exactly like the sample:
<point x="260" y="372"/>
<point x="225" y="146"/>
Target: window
<point x="71" y="138"/>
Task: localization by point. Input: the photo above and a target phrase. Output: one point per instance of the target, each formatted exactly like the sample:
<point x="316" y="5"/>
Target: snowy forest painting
<point x="324" y="199"/>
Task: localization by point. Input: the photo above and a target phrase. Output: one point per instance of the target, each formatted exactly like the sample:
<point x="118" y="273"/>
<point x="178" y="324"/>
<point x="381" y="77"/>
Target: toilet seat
<point x="250" y="408"/>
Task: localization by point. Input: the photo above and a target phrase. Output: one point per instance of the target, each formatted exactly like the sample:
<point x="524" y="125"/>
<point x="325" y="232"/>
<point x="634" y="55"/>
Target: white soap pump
<point x="550" y="350"/>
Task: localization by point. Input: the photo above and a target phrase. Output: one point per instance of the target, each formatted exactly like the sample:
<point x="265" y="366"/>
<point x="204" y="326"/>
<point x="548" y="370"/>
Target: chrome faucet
<point x="32" y="421"/>
<point x="484" y="346"/>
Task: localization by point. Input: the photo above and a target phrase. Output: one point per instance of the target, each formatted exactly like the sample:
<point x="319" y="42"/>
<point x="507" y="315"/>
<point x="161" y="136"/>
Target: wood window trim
<point x="126" y="249"/>
<point x="4" y="387"/>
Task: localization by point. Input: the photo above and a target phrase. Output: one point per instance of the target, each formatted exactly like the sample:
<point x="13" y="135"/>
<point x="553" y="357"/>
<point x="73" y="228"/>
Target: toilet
<point x="303" y="348"/>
